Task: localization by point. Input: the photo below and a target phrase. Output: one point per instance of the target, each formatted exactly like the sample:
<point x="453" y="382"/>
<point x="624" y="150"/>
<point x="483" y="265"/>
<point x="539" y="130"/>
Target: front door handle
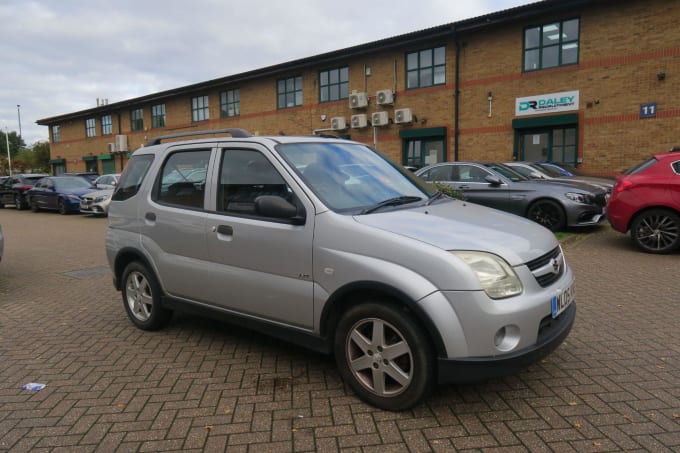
<point x="150" y="216"/>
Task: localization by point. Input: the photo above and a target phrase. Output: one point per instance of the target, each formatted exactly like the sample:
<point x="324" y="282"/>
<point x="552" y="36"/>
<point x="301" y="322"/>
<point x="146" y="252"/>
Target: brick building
<point x="590" y="82"/>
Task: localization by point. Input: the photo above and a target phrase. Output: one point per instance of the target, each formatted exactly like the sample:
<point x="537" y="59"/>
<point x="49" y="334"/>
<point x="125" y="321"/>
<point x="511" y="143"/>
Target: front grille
<point x="601" y="199"/>
<point x="548" y="268"/>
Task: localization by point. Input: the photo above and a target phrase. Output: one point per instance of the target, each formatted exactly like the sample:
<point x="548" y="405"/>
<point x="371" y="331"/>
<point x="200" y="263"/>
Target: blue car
<point x="59" y="193"/>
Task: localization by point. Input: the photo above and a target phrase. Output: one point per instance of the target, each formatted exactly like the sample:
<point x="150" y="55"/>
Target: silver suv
<point x="327" y="243"/>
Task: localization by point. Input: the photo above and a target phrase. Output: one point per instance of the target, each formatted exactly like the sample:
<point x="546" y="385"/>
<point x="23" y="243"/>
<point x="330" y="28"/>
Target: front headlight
<point x="579" y="197"/>
<point x="73" y="197"/>
<point x="496" y="276"/>
<point x="102" y="198"/>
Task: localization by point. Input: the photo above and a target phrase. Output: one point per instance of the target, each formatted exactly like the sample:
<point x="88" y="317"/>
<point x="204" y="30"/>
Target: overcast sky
<point x="59" y="56"/>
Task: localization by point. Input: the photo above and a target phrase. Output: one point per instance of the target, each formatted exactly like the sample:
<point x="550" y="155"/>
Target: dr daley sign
<point x="547" y="103"/>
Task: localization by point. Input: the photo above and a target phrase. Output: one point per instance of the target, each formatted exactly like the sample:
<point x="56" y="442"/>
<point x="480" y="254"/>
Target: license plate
<point x="562" y="300"/>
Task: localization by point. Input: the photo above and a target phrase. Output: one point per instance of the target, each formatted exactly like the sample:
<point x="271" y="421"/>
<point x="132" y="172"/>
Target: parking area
<point x="199" y="385"/>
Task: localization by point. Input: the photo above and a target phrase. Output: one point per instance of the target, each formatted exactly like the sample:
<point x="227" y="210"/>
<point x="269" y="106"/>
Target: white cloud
<point x="59" y="57"/>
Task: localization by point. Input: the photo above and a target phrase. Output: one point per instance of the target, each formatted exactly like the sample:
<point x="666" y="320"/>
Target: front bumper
<point x="551" y="334"/>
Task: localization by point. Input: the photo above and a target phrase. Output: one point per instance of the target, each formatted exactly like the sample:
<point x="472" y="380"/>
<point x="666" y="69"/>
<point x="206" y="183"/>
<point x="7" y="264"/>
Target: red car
<point x="646" y="201"/>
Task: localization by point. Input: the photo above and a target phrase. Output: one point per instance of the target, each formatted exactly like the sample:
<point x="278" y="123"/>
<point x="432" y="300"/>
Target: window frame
<point x="421" y="69"/>
<point x="137" y="119"/>
<point x="107" y="124"/>
<point x="296" y="92"/>
<point x="234" y="103"/>
<point x="540" y="48"/>
<point x="342" y="84"/>
<point x="90" y="127"/>
<point x="157" y="118"/>
<point x="200" y="108"/>
<point x="56" y="133"/>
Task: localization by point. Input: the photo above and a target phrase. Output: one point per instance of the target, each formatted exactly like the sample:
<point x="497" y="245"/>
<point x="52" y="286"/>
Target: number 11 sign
<point x="648" y="110"/>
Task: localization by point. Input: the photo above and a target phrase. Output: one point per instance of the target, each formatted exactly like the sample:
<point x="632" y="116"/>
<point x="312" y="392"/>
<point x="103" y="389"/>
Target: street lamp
<point x="9" y="157"/>
<point x="19" y="115"/>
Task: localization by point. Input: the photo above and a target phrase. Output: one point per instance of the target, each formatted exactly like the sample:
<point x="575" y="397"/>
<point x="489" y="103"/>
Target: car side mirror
<point x="276" y="207"/>
<point x="493" y="180"/>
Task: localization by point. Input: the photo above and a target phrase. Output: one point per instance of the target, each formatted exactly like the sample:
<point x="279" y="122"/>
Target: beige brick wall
<point x="623" y="45"/>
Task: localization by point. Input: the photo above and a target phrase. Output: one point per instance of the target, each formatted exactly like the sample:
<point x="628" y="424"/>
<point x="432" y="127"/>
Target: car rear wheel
<point x="656" y="231"/>
<point x="384" y="356"/>
<point x="548" y="213"/>
<point x="142" y="298"/>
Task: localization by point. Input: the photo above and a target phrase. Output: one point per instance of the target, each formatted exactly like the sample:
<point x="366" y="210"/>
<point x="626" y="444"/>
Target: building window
<point x="334" y="84"/>
<point x="230" y="103"/>
<point x="551" y="45"/>
<point x="56" y="134"/>
<point x="137" y="119"/>
<point x="107" y="125"/>
<point x="426" y="68"/>
<point x="289" y="92"/>
<point x="158" y="115"/>
<point x="200" y="110"/>
<point x="90" y="127"/>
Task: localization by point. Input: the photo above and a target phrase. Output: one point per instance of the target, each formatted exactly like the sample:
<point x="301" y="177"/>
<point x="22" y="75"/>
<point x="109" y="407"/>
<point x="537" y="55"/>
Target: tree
<point x="41" y="156"/>
<point x="16" y="143"/>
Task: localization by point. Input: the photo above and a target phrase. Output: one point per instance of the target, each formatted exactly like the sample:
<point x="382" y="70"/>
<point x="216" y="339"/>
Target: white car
<point x="96" y="203"/>
<point x="107" y="181"/>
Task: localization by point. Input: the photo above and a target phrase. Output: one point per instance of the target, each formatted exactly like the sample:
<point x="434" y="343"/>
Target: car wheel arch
<point x="357" y="293"/>
<point x="549" y="200"/>
<point x="126" y="256"/>
<point x="644" y="210"/>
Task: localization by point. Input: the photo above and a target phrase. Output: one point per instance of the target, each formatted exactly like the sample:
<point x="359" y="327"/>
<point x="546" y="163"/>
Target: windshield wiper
<point x="404" y="199"/>
<point x="435" y="196"/>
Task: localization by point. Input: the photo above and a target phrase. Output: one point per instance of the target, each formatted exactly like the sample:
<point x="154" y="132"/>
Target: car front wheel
<point x="548" y="213"/>
<point x="656" y="231"/>
<point x="384" y="356"/>
<point x="142" y="298"/>
<point x="19" y="203"/>
<point x="61" y="207"/>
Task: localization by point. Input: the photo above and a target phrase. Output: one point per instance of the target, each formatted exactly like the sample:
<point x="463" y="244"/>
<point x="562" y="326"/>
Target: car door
<point x="40" y="194"/>
<point x="6" y="192"/>
<point x="258" y="266"/>
<point x="472" y="180"/>
<point x="173" y="222"/>
<point x="674" y="184"/>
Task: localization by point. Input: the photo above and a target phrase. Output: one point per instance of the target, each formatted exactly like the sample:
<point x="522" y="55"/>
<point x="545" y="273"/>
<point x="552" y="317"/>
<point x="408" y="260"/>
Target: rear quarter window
<point x="132" y="177"/>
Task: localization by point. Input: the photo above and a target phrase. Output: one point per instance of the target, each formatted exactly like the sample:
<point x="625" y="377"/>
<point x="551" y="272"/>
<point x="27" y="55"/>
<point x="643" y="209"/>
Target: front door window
<point x="552" y="144"/>
<point x="422" y="152"/>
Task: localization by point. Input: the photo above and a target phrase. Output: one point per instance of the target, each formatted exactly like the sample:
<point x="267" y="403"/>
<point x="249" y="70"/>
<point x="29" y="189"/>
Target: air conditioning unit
<point x="121" y="143"/>
<point x="338" y="123"/>
<point x="359" y="121"/>
<point x="384" y="97"/>
<point x="379" y="119"/>
<point x="402" y="116"/>
<point x="111" y="147"/>
<point x="358" y="100"/>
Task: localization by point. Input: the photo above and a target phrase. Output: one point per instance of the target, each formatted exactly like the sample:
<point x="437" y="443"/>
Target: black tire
<point x="61" y="207"/>
<point x="656" y="231"/>
<point x="548" y="213"/>
<point x="142" y="298"/>
<point x="19" y="203"/>
<point x="394" y="372"/>
<point x="33" y="204"/>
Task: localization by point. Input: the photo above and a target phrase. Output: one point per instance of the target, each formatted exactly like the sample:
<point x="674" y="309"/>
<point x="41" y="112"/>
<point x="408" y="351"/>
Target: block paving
<point x="200" y="385"/>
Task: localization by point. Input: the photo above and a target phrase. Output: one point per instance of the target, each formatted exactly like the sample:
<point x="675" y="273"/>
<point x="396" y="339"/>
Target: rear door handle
<point x="150" y="216"/>
<point x="225" y="229"/>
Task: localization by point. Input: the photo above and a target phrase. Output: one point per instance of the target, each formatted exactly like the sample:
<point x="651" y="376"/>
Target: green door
<point x="549" y="144"/>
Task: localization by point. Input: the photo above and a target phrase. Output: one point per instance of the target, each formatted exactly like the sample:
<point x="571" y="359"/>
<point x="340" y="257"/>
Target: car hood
<point x="461" y="225"/>
<point x="565" y="185"/>
<point x="80" y="191"/>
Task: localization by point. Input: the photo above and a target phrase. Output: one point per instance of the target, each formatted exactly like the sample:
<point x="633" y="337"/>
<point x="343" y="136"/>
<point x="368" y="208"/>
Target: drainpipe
<point x="456" y="112"/>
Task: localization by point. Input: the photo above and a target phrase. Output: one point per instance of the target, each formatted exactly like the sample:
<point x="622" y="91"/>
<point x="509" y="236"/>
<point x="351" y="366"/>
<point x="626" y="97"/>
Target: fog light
<point x="506" y="338"/>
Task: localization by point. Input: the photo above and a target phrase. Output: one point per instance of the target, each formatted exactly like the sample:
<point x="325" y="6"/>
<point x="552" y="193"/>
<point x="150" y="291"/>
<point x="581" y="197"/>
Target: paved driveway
<point x="204" y="386"/>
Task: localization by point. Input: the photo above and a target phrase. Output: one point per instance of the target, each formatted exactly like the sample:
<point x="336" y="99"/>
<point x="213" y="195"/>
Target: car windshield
<point x="353" y="178"/>
<point x="506" y="172"/>
<point x="548" y="170"/>
<point x="68" y="182"/>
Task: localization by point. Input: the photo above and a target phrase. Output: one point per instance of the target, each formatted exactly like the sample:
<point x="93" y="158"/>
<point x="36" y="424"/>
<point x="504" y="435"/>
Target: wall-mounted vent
<point x="359" y="121"/>
<point x="402" y="116"/>
<point x="358" y="100"/>
<point x="379" y="119"/>
<point x="384" y="97"/>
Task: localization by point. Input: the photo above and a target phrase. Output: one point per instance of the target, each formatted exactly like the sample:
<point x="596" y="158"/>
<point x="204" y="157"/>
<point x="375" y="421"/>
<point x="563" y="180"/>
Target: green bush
<point x="450" y="191"/>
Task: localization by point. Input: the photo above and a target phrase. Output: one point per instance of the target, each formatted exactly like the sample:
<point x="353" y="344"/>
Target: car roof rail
<point x="235" y="132"/>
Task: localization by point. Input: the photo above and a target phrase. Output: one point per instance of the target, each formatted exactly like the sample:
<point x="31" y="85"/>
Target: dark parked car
<point x="539" y="170"/>
<point x="554" y="205"/>
<point x="14" y="188"/>
<point x="646" y="201"/>
<point x="90" y="176"/>
<point x="59" y="193"/>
